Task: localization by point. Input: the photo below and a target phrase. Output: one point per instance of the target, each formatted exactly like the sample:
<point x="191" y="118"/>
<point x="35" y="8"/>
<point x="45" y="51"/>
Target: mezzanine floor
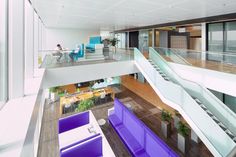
<point x="147" y="112"/>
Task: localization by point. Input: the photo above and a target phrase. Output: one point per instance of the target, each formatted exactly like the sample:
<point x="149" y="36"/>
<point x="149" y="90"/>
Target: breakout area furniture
<point x="139" y="139"/>
<point x="80" y="135"/>
<point x="93" y="41"/>
<point x="94" y="50"/>
<point x="75" y="55"/>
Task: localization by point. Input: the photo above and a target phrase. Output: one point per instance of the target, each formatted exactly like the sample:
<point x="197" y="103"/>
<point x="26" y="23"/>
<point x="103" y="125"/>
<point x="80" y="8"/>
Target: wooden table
<point x="85" y="95"/>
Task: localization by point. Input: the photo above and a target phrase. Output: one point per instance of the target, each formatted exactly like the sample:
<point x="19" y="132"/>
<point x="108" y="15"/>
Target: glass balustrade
<point x="179" y="94"/>
<point x="53" y="59"/>
<point x="227" y="63"/>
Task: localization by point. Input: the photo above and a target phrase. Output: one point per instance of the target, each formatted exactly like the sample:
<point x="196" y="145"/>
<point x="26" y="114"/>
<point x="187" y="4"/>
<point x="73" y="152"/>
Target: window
<point x="222" y="39"/>
<point x="215" y="37"/>
<point x="3" y="52"/>
<point x="230" y="29"/>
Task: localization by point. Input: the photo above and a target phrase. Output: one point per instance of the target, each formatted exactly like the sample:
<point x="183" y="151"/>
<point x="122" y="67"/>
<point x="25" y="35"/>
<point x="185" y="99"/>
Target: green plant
<point x="113" y="41"/>
<point x="55" y="90"/>
<point x="183" y="129"/>
<point x="177" y="114"/>
<point x="85" y="105"/>
<point x="166" y="116"/>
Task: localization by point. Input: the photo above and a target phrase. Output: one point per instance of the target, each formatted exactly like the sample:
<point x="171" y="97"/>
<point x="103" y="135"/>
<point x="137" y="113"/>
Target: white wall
<point x="68" y="38"/>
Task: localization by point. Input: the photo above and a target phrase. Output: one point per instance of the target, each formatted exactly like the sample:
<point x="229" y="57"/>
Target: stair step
<point x="222" y="126"/>
<point x="197" y="100"/>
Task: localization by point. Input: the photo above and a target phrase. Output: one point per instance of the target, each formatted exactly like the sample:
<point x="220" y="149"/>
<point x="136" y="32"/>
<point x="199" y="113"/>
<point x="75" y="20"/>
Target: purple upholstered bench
<point x="139" y="139"/>
<point x="89" y="148"/>
<point x="90" y="145"/>
<point x="73" y="121"/>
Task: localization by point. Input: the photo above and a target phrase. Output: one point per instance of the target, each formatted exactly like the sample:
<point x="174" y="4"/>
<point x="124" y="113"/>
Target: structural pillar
<point x="16" y="48"/>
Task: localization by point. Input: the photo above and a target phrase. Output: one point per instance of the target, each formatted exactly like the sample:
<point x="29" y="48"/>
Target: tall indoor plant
<point x="166" y="123"/>
<point x="183" y="137"/>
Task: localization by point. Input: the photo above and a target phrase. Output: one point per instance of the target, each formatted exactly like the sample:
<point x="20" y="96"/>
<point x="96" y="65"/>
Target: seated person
<point x="77" y="53"/>
<point x="58" y="52"/>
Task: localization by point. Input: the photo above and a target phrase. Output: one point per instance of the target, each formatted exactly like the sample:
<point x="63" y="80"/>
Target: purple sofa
<point x="90" y="148"/>
<point x="73" y="121"/>
<point x="139" y="139"/>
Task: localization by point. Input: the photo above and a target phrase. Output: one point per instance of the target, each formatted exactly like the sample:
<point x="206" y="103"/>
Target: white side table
<point x="128" y="106"/>
<point x="101" y="122"/>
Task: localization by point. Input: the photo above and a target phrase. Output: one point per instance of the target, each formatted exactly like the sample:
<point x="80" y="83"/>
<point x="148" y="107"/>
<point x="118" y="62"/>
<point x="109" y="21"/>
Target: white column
<point x="3" y="51"/>
<point x="16" y="48"/>
<point x="203" y="35"/>
<point x="29" y="40"/>
<point x="36" y="40"/>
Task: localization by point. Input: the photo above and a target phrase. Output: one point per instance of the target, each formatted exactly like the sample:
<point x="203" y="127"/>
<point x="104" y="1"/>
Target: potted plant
<point x="177" y="118"/>
<point x="183" y="137"/>
<point x="85" y="105"/>
<point x="113" y="43"/>
<point x="166" y="123"/>
<point x="54" y="92"/>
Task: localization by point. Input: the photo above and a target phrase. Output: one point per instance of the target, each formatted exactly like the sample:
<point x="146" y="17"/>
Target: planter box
<point x="176" y="121"/>
<point x="183" y="143"/>
<point x="166" y="128"/>
<point x="194" y="137"/>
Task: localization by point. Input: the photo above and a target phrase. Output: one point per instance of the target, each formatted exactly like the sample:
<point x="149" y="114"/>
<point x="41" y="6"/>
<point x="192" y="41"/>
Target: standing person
<point x="58" y="52"/>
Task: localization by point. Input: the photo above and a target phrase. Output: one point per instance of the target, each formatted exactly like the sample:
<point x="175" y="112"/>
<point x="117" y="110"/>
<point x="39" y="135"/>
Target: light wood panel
<point x="145" y="91"/>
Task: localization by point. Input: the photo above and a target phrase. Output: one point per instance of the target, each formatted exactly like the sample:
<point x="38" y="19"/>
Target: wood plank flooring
<point x="148" y="113"/>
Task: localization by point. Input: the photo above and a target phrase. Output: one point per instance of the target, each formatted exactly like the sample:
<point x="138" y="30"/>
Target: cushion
<point x="129" y="140"/>
<point x="141" y="153"/>
<point x="154" y="147"/>
<point x="90" y="148"/>
<point x="73" y="121"/>
<point x="134" y="126"/>
<point x="114" y="120"/>
<point x="118" y="109"/>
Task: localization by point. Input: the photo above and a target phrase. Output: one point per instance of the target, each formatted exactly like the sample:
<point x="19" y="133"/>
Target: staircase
<point x="214" y="123"/>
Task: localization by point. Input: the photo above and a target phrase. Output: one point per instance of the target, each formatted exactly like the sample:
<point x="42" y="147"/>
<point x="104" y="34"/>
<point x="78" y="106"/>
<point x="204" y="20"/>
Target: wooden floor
<point x="148" y="113"/>
<point x="211" y="65"/>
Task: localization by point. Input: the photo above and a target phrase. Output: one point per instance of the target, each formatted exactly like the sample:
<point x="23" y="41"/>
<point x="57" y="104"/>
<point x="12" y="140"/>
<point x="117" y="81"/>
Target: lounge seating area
<point x="80" y="135"/>
<point x="77" y="54"/>
<point x="93" y="42"/>
<point x="94" y="49"/>
<point x="138" y="138"/>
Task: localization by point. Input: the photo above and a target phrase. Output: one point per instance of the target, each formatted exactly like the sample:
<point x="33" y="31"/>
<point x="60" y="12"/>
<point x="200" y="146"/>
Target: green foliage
<point x="111" y="42"/>
<point x="177" y="114"/>
<point x="114" y="41"/>
<point x="55" y="90"/>
<point x="166" y="116"/>
<point x="85" y="105"/>
<point x="183" y="129"/>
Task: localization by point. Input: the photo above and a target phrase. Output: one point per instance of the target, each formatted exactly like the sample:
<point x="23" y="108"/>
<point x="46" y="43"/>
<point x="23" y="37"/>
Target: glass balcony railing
<point x="218" y="61"/>
<point x="183" y="94"/>
<point x="54" y="59"/>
